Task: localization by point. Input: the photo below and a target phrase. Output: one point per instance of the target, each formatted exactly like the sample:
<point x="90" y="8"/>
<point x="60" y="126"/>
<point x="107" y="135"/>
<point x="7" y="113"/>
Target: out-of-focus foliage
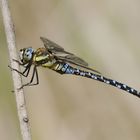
<point x="63" y="107"/>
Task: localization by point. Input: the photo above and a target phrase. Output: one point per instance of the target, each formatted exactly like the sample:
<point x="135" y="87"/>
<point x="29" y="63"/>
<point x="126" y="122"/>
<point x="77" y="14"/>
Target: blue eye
<point x="29" y="50"/>
<point x="28" y="53"/>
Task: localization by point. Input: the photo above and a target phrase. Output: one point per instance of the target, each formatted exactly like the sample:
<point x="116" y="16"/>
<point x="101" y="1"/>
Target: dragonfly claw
<point x="15" y="60"/>
<point x="10" y="67"/>
<point x="23" y="86"/>
<point x="20" y="88"/>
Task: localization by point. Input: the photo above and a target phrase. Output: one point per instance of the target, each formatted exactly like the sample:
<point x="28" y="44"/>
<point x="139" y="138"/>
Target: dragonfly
<point x="54" y="57"/>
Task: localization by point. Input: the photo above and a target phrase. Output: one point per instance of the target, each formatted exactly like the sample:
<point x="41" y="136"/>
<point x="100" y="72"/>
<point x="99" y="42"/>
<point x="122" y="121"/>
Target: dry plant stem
<point x="20" y="100"/>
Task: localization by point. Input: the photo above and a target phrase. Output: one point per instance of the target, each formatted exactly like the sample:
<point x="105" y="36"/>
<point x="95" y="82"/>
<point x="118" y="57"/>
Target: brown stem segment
<point x="20" y="100"/>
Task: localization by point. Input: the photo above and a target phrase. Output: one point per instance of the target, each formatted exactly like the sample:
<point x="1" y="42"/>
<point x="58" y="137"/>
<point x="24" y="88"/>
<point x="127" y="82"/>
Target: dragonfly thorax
<point x="26" y="55"/>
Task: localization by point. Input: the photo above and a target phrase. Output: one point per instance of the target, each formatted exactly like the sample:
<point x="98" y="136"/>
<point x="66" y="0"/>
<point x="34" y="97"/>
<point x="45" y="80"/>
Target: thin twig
<point x="20" y="100"/>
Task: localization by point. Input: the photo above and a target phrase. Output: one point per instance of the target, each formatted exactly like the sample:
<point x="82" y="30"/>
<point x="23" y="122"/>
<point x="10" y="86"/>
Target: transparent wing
<point x="52" y="46"/>
<point x="76" y="61"/>
<point x="59" y="51"/>
<point x="63" y="55"/>
<point x="72" y="59"/>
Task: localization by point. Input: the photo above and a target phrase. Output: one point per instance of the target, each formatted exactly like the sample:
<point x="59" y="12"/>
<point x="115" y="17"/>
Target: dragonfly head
<point x="26" y="55"/>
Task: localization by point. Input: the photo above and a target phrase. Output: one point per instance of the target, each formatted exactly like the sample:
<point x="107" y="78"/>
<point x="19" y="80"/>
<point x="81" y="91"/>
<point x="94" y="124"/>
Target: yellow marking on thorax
<point x="40" y="58"/>
<point x="49" y="64"/>
<point x="43" y="58"/>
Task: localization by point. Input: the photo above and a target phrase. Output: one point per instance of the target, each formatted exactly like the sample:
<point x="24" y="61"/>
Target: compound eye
<point x="28" y="53"/>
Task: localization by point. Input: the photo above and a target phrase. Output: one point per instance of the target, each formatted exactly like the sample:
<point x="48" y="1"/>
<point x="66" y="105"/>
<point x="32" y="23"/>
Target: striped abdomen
<point x="67" y="69"/>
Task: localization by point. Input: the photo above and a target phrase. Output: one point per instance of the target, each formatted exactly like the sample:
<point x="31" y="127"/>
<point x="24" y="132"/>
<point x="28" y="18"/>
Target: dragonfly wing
<point x="63" y="55"/>
<point x="81" y="63"/>
<point x="59" y="51"/>
<point x="76" y="59"/>
<point x="52" y="46"/>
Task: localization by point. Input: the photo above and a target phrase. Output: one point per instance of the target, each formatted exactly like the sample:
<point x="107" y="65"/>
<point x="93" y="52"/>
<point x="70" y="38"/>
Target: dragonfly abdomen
<point x="63" y="68"/>
<point x="67" y="69"/>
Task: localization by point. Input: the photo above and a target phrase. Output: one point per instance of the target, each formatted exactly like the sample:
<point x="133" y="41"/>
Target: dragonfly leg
<point x="35" y="74"/>
<point x="21" y="64"/>
<point x="27" y="69"/>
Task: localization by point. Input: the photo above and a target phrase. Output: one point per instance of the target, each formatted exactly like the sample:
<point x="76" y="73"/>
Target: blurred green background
<point x="106" y="34"/>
